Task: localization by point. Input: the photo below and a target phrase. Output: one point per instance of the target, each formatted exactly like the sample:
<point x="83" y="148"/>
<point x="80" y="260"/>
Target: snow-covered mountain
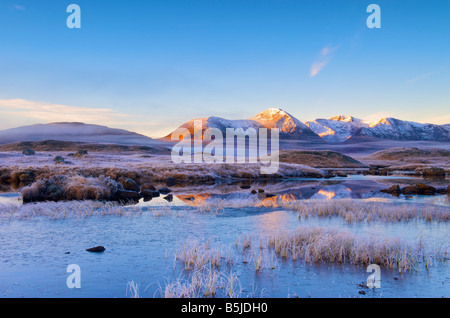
<point x="290" y="127"/>
<point x="343" y="128"/>
<point x="72" y="132"/>
<point x="334" y="130"/>
<point x="396" y="129"/>
<point x="337" y="129"/>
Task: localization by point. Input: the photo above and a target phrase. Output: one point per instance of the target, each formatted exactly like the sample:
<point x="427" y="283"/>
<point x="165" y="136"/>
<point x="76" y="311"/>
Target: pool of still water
<point x="140" y="248"/>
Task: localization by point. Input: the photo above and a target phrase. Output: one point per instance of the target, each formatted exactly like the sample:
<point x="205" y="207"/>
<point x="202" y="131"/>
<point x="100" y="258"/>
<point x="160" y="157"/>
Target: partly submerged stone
<point x="394" y="190"/>
<point x="125" y="195"/>
<point x="149" y="194"/>
<point x="98" y="249"/>
<point x="169" y="198"/>
<point x="165" y="190"/>
<point x="419" y="189"/>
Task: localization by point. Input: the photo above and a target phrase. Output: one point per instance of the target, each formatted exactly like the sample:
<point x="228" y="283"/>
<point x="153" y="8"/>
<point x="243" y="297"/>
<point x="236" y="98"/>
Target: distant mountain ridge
<point x="72" y="131"/>
<point x="338" y="129"/>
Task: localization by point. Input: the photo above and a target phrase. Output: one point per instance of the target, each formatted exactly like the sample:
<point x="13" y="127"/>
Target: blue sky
<point x="148" y="66"/>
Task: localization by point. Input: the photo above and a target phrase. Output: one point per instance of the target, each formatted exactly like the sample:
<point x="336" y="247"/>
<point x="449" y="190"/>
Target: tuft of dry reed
<point x="205" y="282"/>
<point x="196" y="255"/>
<point x="319" y="244"/>
<point x="133" y="289"/>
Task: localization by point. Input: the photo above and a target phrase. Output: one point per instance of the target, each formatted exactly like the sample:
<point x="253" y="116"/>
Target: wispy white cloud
<point x="324" y="57"/>
<point x="440" y="120"/>
<point x="17" y="7"/>
<point x="375" y="117"/>
<point x="41" y="111"/>
<point x="418" y="78"/>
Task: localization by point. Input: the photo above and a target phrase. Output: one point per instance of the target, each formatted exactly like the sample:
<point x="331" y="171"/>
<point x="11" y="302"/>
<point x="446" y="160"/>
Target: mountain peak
<point x="345" y="118"/>
<point x="278" y="118"/>
<point x="272" y="113"/>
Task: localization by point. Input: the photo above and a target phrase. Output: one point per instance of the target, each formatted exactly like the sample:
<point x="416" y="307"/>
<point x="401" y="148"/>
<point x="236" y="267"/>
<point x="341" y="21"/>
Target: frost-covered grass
<point x="360" y="211"/>
<point x="133" y="289"/>
<point x="195" y="255"/>
<point x="319" y="244"/>
<point x="206" y="282"/>
<point x="81" y="210"/>
<point x="208" y="265"/>
<point x="352" y="210"/>
<point x="312" y="245"/>
<point x="60" y="210"/>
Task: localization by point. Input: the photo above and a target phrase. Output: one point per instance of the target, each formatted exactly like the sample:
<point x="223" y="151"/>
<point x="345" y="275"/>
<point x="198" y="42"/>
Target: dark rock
<point x="245" y="187"/>
<point x="67" y="253"/>
<point x="58" y="159"/>
<point x="394" y="190"/>
<point x="164" y="191"/>
<point x="362" y="292"/>
<point x="254" y="192"/>
<point x="127" y="196"/>
<point x="28" y="152"/>
<point x="410" y="190"/>
<point x="149" y="194"/>
<point x="433" y="172"/>
<point x="98" y="249"/>
<point x="260" y="191"/>
<point x="130" y="185"/>
<point x="190" y="198"/>
<point x="419" y="189"/>
<point x="269" y="195"/>
<point x="156" y="194"/>
<point x="169" y="198"/>
<point x="148" y="187"/>
<point x="329" y="176"/>
<point x="441" y="190"/>
<point x="426" y="189"/>
<point x="342" y="175"/>
<point x="171" y="182"/>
